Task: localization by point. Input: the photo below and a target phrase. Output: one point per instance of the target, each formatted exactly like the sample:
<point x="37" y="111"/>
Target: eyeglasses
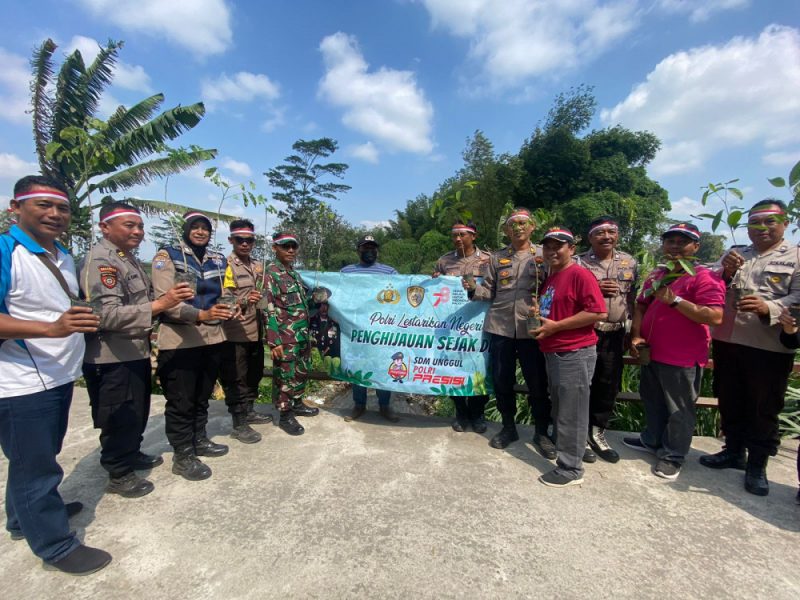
<point x="243" y="240"/>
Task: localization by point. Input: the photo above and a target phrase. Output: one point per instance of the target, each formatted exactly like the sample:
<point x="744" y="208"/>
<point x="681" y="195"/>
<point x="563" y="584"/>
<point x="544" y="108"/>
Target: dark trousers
<point x="607" y="379"/>
<point x="750" y="384"/>
<point x="504" y="352"/>
<point x="32" y="429"/>
<point x="470" y="407"/>
<point x="188" y="376"/>
<point x="240" y="373"/>
<point x="360" y="396"/>
<point x="119" y="394"/>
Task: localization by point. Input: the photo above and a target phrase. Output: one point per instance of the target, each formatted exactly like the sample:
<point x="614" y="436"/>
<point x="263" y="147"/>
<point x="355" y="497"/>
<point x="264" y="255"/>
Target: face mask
<point x="368" y="256"/>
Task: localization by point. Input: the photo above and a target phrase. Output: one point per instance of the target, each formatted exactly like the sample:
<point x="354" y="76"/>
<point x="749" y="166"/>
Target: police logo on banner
<point x="415" y="294"/>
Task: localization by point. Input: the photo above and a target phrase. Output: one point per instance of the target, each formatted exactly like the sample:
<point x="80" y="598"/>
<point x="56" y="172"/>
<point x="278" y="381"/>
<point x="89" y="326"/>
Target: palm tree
<point x="88" y="154"/>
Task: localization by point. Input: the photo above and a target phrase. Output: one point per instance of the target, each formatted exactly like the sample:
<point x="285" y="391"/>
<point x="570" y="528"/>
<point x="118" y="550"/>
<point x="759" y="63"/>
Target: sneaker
<point x="555" y="478"/>
<point x="667" y="469"/>
<point x="589" y="456"/>
<point x="81" y="561"/>
<point x="545" y="446"/>
<point x="637" y="444"/>
<point x="601" y="447"/>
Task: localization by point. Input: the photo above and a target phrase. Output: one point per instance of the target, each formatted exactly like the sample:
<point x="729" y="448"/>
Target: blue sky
<point x="401" y="84"/>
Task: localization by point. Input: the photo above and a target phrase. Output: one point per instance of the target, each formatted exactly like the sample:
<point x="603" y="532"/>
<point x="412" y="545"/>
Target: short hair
<point x="770" y="202"/>
<point x="242" y="224"/>
<point x="603" y="219"/>
<point x="116" y="205"/>
<point x="29" y="181"/>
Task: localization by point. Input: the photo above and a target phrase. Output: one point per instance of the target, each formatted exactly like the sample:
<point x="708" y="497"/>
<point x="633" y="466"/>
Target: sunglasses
<point x="289" y="246"/>
<point x="243" y="240"/>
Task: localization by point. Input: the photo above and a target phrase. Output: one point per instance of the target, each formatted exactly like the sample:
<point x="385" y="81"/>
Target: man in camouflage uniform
<point x="287" y="334"/>
<point x="616" y="273"/>
<point x="243" y="351"/>
<point x="467" y="260"/>
<point x="512" y="284"/>
<point x="117" y="361"/>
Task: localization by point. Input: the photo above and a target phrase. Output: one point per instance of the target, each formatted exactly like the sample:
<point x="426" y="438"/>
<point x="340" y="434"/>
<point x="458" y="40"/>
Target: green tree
<point x="711" y="247"/>
<point x="303" y="185"/>
<point x="88" y="154"/>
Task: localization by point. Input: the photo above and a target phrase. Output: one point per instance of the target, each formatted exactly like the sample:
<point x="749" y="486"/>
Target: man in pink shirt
<point x="674" y="321"/>
<point x="570" y="306"/>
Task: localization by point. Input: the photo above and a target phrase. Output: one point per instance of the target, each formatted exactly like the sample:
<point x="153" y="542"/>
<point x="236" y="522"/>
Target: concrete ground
<point x="415" y="510"/>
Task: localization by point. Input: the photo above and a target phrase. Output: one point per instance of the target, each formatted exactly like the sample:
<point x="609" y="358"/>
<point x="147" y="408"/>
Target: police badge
<point x="415" y="295"/>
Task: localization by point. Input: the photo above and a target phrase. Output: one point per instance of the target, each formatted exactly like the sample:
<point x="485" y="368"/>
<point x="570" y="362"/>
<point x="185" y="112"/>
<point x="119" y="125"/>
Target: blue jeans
<point x="32" y="428"/>
<point x="360" y="396"/>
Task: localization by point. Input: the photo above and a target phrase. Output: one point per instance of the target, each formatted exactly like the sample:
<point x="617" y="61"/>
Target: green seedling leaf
<point x="777" y="181"/>
<point x="734" y="218"/>
<point x="687" y="266"/>
<point x="736" y="192"/>
<point x="794" y="175"/>
<point x="716" y="222"/>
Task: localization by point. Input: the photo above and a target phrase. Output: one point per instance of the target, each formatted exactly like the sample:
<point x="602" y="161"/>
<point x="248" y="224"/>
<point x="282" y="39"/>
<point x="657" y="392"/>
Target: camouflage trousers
<point x="288" y="378"/>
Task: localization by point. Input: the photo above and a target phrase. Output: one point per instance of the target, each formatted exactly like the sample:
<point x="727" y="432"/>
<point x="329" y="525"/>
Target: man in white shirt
<point x="40" y="359"/>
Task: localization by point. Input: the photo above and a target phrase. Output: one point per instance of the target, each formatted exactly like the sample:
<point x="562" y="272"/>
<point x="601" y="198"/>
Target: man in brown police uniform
<point x="243" y="353"/>
<point x="467" y="261"/>
<point x="616" y="273"/>
<point x="751" y="366"/>
<point x="117" y="360"/>
<point x="512" y="284"/>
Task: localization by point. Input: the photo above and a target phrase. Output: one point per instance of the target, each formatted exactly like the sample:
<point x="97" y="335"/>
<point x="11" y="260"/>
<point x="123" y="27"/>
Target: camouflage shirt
<point x="287" y="308"/>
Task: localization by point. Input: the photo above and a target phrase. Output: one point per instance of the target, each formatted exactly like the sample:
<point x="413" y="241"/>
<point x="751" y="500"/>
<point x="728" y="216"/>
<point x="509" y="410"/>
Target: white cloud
<point x="712" y="98"/>
<point x="14" y="87"/>
<point x="239" y="168"/>
<point x="701" y="10"/>
<point x="275" y="120"/>
<point x="13" y="167"/>
<point x="367" y="152"/>
<point x="130" y="77"/>
<point x="242" y="87"/>
<point x="375" y="224"/>
<point x="686" y="207"/>
<point x="202" y="26"/>
<point x="781" y="159"/>
<point x="516" y="40"/>
<point x="386" y="104"/>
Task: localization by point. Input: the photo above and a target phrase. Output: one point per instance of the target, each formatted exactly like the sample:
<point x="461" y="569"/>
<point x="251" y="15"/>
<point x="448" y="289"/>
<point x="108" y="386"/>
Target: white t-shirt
<point x="36" y="295"/>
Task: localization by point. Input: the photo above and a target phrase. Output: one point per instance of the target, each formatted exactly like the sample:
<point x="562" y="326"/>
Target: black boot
<point x="461" y="422"/>
<point x="545" y="444"/>
<point x="129" y="485"/>
<point x="256" y="418"/>
<point x="755" y="476"/>
<point x="205" y="447"/>
<point x="730" y="457"/>
<point x="188" y="466"/>
<point x="242" y="431"/>
<point x="289" y="424"/>
<point x="475" y="408"/>
<point x="505" y="436"/>
<point x="301" y="410"/>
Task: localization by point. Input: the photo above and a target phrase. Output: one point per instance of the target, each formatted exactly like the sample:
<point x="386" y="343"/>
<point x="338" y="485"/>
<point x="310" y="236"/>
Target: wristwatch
<point x="676" y="301"/>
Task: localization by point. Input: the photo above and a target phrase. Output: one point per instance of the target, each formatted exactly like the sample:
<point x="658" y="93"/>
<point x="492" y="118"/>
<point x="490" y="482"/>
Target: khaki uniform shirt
<point x="621" y="267"/>
<point x="126" y="321"/>
<point x="179" y="326"/>
<point x="775" y="278"/>
<point x="511" y="280"/>
<point x="453" y="263"/>
<point x="240" y="279"/>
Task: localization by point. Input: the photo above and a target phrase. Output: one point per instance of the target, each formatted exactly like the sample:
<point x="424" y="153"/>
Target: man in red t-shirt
<point x="570" y="306"/>
<point x="674" y="321"/>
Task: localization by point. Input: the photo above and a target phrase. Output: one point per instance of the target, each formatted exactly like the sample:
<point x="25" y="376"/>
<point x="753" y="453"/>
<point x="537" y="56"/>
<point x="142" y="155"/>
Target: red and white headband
<point x="52" y="195"/>
<point x="516" y="215"/>
<point x="764" y="212"/>
<point x="120" y="212"/>
<point x="463" y="229"/>
<point x="242" y="231"/>
<point x="610" y="226"/>
<point x="285" y="239"/>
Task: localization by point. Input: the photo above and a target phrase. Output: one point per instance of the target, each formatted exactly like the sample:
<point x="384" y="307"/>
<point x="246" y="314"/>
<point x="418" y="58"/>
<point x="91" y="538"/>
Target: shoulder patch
<point x="108" y="276"/>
